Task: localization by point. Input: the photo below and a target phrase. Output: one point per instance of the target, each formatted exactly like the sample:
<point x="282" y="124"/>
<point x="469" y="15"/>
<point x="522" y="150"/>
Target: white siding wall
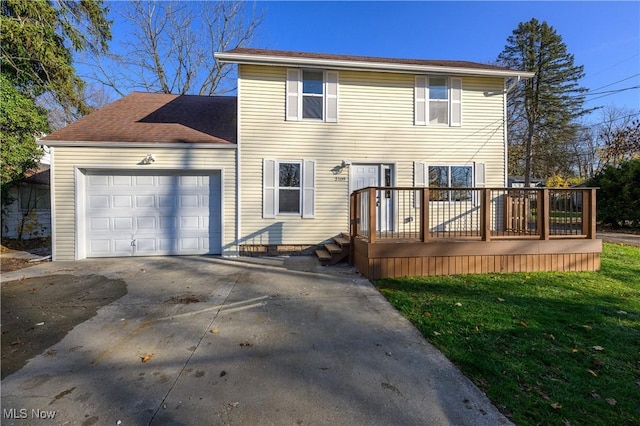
<point x="375" y="125"/>
<point x="63" y="186"/>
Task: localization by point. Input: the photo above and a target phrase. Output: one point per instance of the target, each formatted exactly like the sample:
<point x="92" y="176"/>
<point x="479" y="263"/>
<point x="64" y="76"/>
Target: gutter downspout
<point x="506" y="133"/>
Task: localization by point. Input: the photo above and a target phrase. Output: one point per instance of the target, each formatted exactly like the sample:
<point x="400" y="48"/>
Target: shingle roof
<point x="157" y="118"/>
<point x="372" y="59"/>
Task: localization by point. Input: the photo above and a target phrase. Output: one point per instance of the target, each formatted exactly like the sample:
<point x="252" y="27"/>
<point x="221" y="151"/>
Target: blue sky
<point x="603" y="36"/>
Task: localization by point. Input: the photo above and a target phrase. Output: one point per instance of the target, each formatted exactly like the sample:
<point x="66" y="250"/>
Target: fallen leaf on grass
<point x="566" y="423"/>
<point x="598" y="348"/>
<point x="587" y="327"/>
<point x="435" y="333"/>
<point x="427" y="314"/>
<point x="593" y="373"/>
<point x="611" y="401"/>
<point x="500" y="299"/>
<point x="594" y="395"/>
<point x="458" y="304"/>
<point x="556" y="405"/>
<point x="146" y="358"/>
<point x="523" y="324"/>
<point x="574" y="350"/>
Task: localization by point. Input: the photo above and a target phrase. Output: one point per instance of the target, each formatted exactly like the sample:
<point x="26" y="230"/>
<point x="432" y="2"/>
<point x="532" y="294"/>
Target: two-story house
<point x="272" y="169"/>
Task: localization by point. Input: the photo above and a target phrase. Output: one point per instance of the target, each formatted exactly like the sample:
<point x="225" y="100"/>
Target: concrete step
<point x="323" y="255"/>
<point x="332" y="248"/>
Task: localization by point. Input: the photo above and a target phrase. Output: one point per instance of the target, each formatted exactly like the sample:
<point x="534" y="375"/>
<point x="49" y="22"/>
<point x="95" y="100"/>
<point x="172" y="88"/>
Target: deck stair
<point x="335" y="251"/>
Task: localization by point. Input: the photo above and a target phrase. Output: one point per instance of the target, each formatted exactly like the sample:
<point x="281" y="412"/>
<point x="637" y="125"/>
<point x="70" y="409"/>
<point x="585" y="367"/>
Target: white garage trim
<point x="210" y="240"/>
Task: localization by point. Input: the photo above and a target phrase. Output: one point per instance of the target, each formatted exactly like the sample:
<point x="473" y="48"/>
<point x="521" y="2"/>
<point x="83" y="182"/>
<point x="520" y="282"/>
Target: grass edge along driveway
<point x="547" y="348"/>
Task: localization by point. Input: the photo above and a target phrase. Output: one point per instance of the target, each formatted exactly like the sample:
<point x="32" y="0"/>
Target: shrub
<point x="618" y="201"/>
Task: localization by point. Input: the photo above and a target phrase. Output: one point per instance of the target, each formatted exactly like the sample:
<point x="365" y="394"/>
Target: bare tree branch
<point x="171" y="46"/>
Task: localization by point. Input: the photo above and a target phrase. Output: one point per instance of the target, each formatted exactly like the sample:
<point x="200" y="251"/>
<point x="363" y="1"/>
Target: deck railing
<point x="426" y="214"/>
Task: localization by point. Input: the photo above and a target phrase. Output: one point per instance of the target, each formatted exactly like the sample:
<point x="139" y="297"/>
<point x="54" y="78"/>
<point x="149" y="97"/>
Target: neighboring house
<point x="29" y="216"/>
<point x="272" y="169"/>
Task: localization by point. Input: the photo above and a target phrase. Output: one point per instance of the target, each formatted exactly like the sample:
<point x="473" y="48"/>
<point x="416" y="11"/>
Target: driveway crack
<point x="220" y="306"/>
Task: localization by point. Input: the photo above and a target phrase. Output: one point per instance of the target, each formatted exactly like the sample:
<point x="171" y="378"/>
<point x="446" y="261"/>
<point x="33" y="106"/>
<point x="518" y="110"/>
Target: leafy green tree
<point x="542" y="111"/>
<point x="21" y="121"/>
<point x="619" y="194"/>
<point x="37" y="42"/>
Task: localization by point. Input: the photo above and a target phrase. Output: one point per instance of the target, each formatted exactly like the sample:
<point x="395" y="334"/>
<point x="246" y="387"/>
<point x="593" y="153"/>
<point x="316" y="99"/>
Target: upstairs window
<point x="311" y="95"/>
<point x="438" y="101"/>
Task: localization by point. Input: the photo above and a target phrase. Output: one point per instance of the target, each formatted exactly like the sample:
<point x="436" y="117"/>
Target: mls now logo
<point x="23" y="413"/>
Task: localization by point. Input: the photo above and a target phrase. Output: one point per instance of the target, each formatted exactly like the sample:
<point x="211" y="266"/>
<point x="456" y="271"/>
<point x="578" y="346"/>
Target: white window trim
<point x="422" y="99"/>
<point x="290" y="188"/>
<point x="271" y="193"/>
<point x="295" y="80"/>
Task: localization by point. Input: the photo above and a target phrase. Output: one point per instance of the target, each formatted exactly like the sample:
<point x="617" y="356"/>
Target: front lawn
<point x="547" y="348"/>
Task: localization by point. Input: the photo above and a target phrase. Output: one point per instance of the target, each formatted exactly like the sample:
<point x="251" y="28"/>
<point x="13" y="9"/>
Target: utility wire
<point x="612" y="91"/>
<point x="611" y="66"/>
<point x="611" y="84"/>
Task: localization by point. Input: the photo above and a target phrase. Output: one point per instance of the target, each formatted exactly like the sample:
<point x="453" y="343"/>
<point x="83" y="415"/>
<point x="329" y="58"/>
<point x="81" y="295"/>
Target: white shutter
<point x="331" y="98"/>
<point x="455" y="102"/>
<point x="269" y="180"/>
<point x="419" y="180"/>
<point x="420" y="101"/>
<point x="481" y="179"/>
<point x="309" y="189"/>
<point x="293" y="89"/>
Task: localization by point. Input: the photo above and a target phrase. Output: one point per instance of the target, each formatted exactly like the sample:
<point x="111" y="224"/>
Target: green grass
<point x="547" y="348"/>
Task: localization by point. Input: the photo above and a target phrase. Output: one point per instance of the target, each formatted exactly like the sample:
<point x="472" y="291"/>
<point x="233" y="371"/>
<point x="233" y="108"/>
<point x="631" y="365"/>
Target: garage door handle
<point x="133" y="243"/>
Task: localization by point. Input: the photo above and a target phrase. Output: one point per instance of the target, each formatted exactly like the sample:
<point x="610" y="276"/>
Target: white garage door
<point x="152" y="213"/>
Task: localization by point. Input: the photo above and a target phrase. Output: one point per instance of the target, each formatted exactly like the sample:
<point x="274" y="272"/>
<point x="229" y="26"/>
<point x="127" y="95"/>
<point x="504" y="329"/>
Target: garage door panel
<point x="160" y="213"/>
<point x="189" y="201"/>
<point x="145" y="201"/>
<point x="123" y="223"/>
<point x="99" y="201"/>
<point x="122" y="201"/>
<point x="146" y="222"/>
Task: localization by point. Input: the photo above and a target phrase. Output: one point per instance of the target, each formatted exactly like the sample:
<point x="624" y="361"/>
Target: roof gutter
<point x="251" y="59"/>
<point x="114" y="144"/>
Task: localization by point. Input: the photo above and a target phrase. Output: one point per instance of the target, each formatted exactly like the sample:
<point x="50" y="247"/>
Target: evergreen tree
<point x="542" y="111"/>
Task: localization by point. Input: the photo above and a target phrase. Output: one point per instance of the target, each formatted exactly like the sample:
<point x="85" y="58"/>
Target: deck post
<point x="424" y="214"/>
<point x="353" y="225"/>
<point x="352" y="214"/>
<point x="591" y="233"/>
<point x="485" y="214"/>
<point x="373" y="223"/>
<point x="543" y="214"/>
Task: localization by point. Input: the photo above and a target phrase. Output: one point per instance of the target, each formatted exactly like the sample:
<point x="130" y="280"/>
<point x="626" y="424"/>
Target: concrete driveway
<point x="248" y="341"/>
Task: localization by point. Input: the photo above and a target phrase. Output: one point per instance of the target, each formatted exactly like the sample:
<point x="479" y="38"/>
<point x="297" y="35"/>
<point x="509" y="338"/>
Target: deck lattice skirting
<point x="473" y="230"/>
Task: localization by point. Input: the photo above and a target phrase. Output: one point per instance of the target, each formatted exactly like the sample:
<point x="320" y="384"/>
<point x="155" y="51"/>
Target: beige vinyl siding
<point x="375" y="125"/>
<point x="67" y="158"/>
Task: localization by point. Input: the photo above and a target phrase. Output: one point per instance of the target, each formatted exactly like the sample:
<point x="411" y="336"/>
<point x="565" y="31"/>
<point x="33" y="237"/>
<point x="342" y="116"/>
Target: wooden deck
<point x="489" y="243"/>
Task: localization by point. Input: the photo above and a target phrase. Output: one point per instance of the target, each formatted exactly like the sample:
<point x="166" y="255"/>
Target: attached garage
<point x="146" y="213"/>
<point x="148" y="175"/>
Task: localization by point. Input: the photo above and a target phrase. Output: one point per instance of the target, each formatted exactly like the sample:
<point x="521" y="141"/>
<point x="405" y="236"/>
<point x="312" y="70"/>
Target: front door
<point x="365" y="175"/>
